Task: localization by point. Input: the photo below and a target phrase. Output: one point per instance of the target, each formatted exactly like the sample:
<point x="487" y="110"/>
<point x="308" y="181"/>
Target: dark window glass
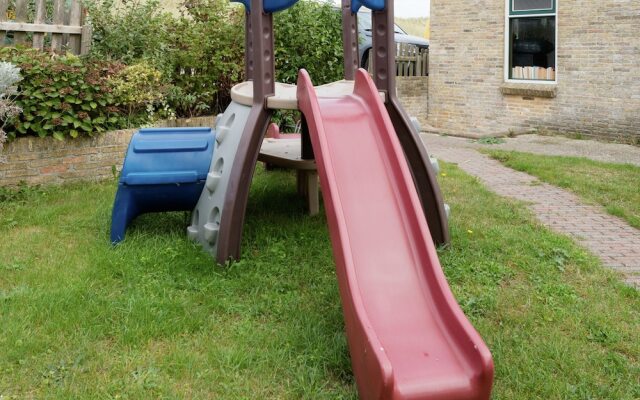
<point x="532" y="48"/>
<point x="525" y="5"/>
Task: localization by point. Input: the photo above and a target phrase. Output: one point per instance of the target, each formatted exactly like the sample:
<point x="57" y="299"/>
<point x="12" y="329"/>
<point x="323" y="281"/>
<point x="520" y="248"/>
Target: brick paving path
<point x="610" y="238"/>
<point x="547" y="145"/>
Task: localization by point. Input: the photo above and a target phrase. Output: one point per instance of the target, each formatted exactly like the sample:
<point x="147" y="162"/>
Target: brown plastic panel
<point x="262" y="68"/>
<point x="384" y="75"/>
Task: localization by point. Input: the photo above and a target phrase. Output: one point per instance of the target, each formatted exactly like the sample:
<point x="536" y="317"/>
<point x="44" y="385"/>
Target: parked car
<point x="365" y="41"/>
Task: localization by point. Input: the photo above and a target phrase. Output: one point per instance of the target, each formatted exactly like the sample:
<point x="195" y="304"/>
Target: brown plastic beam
<point x="349" y="41"/>
<point x="384" y="76"/>
<point x="261" y="66"/>
<point x="248" y="47"/>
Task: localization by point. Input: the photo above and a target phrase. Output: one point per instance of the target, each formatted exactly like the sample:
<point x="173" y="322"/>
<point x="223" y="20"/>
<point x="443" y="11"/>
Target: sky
<point x="408" y="8"/>
<point x="411" y="8"/>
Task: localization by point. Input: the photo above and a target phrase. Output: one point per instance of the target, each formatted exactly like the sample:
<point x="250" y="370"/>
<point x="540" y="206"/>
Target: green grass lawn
<point x="153" y="318"/>
<point x="614" y="186"/>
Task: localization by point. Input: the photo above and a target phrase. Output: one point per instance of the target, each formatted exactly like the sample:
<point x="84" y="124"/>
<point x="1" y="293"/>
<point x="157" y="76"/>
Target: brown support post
<point x="263" y="74"/>
<point x="349" y="41"/>
<point x="384" y="76"/>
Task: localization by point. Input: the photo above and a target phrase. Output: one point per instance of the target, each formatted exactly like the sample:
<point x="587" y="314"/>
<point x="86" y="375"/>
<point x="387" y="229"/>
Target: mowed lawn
<point x="616" y="187"/>
<point x="153" y="318"/>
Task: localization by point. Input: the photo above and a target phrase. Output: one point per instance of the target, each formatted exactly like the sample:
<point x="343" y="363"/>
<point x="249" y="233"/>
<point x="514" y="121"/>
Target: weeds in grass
<point x="490" y="140"/>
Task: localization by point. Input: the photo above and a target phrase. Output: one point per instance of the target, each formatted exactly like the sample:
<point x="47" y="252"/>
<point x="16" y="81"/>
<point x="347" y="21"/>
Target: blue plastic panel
<point x="160" y="146"/>
<point x="159" y="178"/>
<point x="373" y="5"/>
<point x="168" y="156"/>
<point x="269" y="6"/>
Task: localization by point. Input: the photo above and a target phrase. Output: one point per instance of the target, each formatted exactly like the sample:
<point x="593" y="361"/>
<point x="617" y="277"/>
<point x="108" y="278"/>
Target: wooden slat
<point x="58" y="19"/>
<point x="43" y="28"/>
<point x="41" y="14"/>
<point x="21" y="16"/>
<point x="75" y="19"/>
<point x="425" y="62"/>
<point x="4" y="6"/>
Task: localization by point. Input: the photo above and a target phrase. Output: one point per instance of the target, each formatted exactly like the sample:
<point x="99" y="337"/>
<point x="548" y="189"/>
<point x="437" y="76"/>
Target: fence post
<point x="85" y="40"/>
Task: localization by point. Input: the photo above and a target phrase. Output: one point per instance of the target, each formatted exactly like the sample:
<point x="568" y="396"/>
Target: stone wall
<point x="49" y="161"/>
<point x="414" y="96"/>
<point x="598" y="88"/>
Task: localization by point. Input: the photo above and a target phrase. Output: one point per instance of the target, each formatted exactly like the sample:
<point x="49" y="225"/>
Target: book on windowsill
<point x="533" y="73"/>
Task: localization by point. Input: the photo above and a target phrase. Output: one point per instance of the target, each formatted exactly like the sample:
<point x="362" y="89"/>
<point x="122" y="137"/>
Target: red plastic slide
<point x="408" y="338"/>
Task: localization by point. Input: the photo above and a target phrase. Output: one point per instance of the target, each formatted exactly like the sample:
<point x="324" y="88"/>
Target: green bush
<point x="129" y="31"/>
<point x="309" y="35"/>
<point x="206" y="57"/>
<point x="63" y="96"/>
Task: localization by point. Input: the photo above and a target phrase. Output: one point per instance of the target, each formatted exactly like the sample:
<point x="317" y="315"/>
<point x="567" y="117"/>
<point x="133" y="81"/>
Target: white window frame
<point x="507" y="28"/>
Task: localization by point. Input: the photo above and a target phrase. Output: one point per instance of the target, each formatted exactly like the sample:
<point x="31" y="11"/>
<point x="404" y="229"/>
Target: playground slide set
<point x="408" y="338"/>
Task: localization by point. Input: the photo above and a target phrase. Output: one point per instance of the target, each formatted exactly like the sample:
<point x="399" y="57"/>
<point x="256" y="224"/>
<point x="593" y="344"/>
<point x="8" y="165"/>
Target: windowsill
<point x="530" y="89"/>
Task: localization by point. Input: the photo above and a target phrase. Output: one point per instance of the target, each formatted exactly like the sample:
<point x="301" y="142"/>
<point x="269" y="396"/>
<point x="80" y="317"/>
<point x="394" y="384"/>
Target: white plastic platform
<point x="285" y="97"/>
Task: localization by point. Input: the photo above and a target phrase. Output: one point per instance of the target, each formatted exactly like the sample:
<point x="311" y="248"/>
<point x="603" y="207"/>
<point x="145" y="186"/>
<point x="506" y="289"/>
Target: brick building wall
<point x="413" y="93"/>
<point x="598" y="88"/>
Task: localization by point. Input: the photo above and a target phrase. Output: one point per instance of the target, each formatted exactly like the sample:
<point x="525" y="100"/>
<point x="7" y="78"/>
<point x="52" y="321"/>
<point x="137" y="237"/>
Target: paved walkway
<point x="610" y="238"/>
<point x="547" y="145"/>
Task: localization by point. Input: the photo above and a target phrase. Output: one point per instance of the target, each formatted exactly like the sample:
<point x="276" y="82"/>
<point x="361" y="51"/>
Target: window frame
<point x="551" y="10"/>
<point x="508" y="15"/>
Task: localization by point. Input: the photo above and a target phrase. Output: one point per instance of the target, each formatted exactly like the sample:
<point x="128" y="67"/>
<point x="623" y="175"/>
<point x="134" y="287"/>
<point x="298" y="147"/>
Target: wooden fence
<point x="61" y="28"/>
<point x="410" y="60"/>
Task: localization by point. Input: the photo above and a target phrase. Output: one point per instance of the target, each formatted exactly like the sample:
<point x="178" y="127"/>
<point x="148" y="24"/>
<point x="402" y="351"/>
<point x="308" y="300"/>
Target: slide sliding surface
<point x="408" y="338"/>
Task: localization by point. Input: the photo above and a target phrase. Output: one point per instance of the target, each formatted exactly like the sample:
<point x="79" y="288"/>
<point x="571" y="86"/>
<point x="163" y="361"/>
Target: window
<point x="531" y="40"/>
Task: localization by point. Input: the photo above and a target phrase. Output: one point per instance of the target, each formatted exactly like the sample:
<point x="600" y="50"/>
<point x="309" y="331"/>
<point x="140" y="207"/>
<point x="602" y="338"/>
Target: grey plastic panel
<point x="435" y="164"/>
<point x="205" y="220"/>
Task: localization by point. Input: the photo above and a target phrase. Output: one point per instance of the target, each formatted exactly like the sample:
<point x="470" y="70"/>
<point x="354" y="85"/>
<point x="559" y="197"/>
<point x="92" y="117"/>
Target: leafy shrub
<point x="139" y="88"/>
<point x="206" y="56"/>
<point x="9" y="77"/>
<point x="128" y="31"/>
<point x="201" y="51"/>
<point x="63" y="95"/>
